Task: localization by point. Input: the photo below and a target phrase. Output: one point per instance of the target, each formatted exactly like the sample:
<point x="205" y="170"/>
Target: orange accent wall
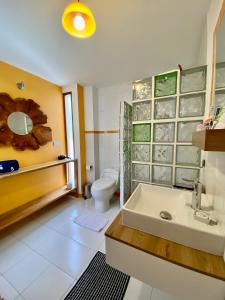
<point x="80" y="91"/>
<point x="21" y="189"/>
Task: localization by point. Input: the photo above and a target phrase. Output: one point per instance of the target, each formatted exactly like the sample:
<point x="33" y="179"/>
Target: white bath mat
<point x="92" y="221"/>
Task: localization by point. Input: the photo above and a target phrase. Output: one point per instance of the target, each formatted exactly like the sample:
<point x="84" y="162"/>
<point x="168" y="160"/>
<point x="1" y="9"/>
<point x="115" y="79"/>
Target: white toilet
<point x="103" y="189"/>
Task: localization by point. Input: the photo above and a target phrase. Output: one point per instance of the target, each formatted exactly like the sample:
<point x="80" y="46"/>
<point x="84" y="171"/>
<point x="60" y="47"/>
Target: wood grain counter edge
<point x="195" y="260"/>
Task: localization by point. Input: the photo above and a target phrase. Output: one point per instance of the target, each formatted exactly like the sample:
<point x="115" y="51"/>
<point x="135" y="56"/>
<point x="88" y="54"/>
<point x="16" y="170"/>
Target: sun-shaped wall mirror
<point x="22" y="123"/>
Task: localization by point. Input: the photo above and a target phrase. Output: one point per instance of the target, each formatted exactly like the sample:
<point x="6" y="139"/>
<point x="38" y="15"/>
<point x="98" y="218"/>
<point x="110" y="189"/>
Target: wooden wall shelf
<point x="37" y="167"/>
<point x="23" y="211"/>
<point x="209" y="140"/>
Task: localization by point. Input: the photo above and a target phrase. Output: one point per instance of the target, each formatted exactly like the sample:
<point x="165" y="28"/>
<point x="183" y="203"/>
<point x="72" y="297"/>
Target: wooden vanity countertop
<point x="196" y="260"/>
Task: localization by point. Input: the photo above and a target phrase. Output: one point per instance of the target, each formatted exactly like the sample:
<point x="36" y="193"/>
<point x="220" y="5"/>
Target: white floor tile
<point x="69" y="256"/>
<point x="159" y="295"/>
<point x="138" y="290"/>
<point x="26" y="271"/>
<point x="52" y="285"/>
<point x="80" y="234"/>
<point x="44" y="257"/>
<point x="6" y="290"/>
<point x="11" y="254"/>
<point x="6" y="240"/>
<point x="25" y="228"/>
<point x="39" y="236"/>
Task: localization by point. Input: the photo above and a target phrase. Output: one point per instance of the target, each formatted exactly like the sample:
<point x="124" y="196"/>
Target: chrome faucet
<point x="196" y="194"/>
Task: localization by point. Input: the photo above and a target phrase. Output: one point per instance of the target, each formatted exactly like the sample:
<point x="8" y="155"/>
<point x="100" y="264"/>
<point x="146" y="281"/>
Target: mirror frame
<point x="216" y="29"/>
<point x="40" y="134"/>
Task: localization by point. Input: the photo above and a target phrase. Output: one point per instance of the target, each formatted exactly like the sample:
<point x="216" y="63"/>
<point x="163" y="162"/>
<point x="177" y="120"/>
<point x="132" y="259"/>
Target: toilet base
<point x="102" y="206"/>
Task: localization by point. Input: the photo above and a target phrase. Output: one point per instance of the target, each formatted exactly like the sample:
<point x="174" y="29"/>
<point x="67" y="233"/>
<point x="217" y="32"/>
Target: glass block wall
<point x="125" y="151"/>
<point x="166" y="110"/>
<point x="220" y="85"/>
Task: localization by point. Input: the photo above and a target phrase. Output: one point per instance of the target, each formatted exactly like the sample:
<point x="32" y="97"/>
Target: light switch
<point x="56" y="143"/>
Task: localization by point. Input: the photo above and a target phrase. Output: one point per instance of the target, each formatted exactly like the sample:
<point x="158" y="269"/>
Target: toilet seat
<point x="103" y="184"/>
<point x="102" y="190"/>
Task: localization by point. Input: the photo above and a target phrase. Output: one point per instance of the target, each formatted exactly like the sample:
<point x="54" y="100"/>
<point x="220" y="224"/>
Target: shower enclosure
<point x="156" y="132"/>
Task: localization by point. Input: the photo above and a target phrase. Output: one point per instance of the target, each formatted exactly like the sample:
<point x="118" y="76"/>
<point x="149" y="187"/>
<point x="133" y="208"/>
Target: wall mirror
<point x="219" y="61"/>
<point x="20" y="123"/>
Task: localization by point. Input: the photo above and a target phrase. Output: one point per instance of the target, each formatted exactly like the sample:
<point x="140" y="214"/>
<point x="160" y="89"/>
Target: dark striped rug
<point x="99" y="282"/>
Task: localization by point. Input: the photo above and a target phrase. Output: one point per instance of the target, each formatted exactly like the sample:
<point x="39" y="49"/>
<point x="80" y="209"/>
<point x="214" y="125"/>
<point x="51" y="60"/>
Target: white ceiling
<point x="134" y="39"/>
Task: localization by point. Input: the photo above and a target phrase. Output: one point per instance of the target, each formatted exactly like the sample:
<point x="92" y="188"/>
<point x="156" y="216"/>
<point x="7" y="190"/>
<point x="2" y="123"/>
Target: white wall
<point x="91" y="123"/>
<point x="109" y="99"/>
<point x="213" y="175"/>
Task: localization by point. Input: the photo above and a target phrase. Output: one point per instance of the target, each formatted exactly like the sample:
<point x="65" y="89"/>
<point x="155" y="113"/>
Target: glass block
<point x="125" y="146"/>
<point x="141" y="172"/>
<point x="220" y="75"/>
<point x="142" y="89"/>
<point x="189" y="174"/>
<point x="220" y="99"/>
<point x="192" y="105"/>
<point x="126" y="123"/>
<point x="141" y="153"/>
<point x="165" y="108"/>
<point x="164" y="132"/>
<point x="188" y="155"/>
<point x="185" y="129"/>
<point x="162" y="175"/>
<point x="141" y="132"/>
<point x="166" y="84"/>
<point x="126" y="134"/>
<point x="162" y="154"/>
<point x="142" y="111"/>
<point x="193" y="80"/>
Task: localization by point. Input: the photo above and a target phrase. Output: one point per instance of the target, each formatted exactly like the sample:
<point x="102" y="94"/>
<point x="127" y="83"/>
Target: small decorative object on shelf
<point x="219" y="122"/>
<point x="9" y="166"/>
<point x="61" y="157"/>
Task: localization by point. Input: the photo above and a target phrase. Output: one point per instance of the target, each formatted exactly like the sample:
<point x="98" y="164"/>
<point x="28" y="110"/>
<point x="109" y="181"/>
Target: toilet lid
<point x="103" y="183"/>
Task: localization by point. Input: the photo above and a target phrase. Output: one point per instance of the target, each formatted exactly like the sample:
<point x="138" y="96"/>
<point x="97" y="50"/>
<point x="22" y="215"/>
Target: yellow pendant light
<point x="78" y="20"/>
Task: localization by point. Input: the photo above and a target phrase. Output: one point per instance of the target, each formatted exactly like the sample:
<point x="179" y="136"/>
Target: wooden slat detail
<point x="101" y="131"/>
<point x="27" y="209"/>
<point x="199" y="261"/>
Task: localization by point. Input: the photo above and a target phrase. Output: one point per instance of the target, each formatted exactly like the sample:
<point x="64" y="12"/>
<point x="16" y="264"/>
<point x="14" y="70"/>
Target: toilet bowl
<point x="103" y="189"/>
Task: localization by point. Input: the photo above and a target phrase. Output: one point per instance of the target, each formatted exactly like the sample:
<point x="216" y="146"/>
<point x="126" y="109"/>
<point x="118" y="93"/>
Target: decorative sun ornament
<point x="78" y="20"/>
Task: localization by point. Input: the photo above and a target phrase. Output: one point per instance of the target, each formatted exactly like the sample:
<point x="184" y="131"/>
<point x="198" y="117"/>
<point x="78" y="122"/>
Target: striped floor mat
<point x="100" y="282"/>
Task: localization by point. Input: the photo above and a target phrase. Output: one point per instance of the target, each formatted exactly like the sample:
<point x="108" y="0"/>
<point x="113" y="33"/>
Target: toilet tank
<point x="110" y="173"/>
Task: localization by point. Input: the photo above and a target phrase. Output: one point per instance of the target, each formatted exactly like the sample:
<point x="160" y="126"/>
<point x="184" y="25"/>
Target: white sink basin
<point x="142" y="212"/>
